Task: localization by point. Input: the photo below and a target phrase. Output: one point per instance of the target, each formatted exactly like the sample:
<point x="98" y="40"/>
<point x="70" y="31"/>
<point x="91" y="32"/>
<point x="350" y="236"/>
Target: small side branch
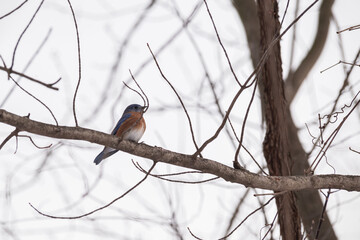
<point x="100" y="208"/>
<point x="178" y="96"/>
<point x="321" y="220"/>
<point x="10" y="71"/>
<point x="221" y="44"/>
<point x="14" y="10"/>
<point x="352" y="28"/>
<point x="250" y="214"/>
<point x="79" y="61"/>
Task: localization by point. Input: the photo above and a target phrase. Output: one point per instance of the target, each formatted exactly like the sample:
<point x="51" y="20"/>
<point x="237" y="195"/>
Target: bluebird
<point x="131" y="126"/>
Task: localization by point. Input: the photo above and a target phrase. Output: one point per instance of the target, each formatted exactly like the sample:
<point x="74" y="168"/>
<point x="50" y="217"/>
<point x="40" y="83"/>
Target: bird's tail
<point x="99" y="158"/>
<point x="107" y="152"/>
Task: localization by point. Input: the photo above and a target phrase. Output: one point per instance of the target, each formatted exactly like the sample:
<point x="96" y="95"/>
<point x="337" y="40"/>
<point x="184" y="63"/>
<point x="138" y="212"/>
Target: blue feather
<point x="99" y="158"/>
<point x="107" y="152"/>
<point x="122" y="119"/>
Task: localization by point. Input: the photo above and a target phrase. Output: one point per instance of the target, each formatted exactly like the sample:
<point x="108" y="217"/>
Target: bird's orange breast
<point x="132" y="128"/>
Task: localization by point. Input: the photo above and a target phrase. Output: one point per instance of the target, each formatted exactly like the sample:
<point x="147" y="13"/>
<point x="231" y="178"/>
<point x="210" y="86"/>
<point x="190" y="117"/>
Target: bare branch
<point x="322" y="215"/>
<point x="340" y="61"/>
<point x="22" y="34"/>
<point x="37" y="51"/>
<point x="259" y="208"/>
<point x="358" y="152"/>
<point x="12" y="11"/>
<point x="244" y="124"/>
<point x="12" y="134"/>
<point x="236" y="211"/>
<point x="196" y="237"/>
<point x="100" y="208"/>
<point x="48" y="85"/>
<point x="248" y="82"/>
<point x="334" y="114"/>
<point x="295" y="79"/>
<point x="246" y="178"/>
<point x="32" y="141"/>
<point x="119" y="54"/>
<point x="352" y="28"/>
<point x="248" y="152"/>
<point x="140" y="168"/>
<point x="79" y="60"/>
<point x="146" y="99"/>
<point x="271" y="226"/>
<point x="178" y="96"/>
<point x="332" y="136"/>
<point x="221" y="44"/>
<point x="37" y="99"/>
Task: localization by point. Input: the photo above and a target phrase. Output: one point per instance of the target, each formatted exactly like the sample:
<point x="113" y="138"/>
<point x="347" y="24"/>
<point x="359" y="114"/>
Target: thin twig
<point x="248" y="152"/>
<point x="314" y="140"/>
<point x="37" y="99"/>
<point x="35" y="54"/>
<point x="343" y="62"/>
<point x="48" y="85"/>
<point x="322" y="214"/>
<point x="349" y="29"/>
<point x="237" y="209"/>
<point x="32" y="141"/>
<point x="196" y="237"/>
<point x="271" y="226"/>
<point x="259" y="208"/>
<point x="146" y="100"/>
<point x="330" y="67"/>
<point x="178" y="96"/>
<point x="286" y="9"/>
<point x="244" y="124"/>
<point x="248" y="81"/>
<point x="358" y="152"/>
<point x="332" y="136"/>
<point x="12" y="134"/>
<point x="79" y="61"/>
<point x="17" y="8"/>
<point x="206" y="71"/>
<point x="100" y="208"/>
<point x="321" y="129"/>
<point x="22" y="34"/>
<point x="137" y="165"/>
<point x="221" y="44"/>
<point x="140" y="168"/>
<point x="116" y="63"/>
<point x="334" y="114"/>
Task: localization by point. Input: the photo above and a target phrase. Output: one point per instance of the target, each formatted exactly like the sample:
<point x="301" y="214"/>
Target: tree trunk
<point x="276" y="144"/>
<point x="309" y="201"/>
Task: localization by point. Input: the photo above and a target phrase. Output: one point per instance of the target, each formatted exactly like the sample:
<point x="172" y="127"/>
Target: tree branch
<point x="296" y="78"/>
<point x="246" y="178"/>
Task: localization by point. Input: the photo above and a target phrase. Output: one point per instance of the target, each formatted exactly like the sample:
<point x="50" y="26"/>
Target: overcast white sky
<point x="55" y="179"/>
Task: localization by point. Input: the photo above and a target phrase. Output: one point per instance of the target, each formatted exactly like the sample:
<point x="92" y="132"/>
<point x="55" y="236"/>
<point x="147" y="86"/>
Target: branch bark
<point x="246" y="178"/>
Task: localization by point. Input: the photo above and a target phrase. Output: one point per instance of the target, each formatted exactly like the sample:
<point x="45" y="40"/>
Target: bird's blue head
<point x="134" y="108"/>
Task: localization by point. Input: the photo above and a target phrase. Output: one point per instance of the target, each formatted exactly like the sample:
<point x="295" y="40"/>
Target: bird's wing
<point x="122" y="119"/>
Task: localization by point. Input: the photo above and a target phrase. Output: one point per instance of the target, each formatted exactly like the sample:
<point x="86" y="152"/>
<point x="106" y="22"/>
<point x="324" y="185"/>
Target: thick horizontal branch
<point x="246" y="178"/>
